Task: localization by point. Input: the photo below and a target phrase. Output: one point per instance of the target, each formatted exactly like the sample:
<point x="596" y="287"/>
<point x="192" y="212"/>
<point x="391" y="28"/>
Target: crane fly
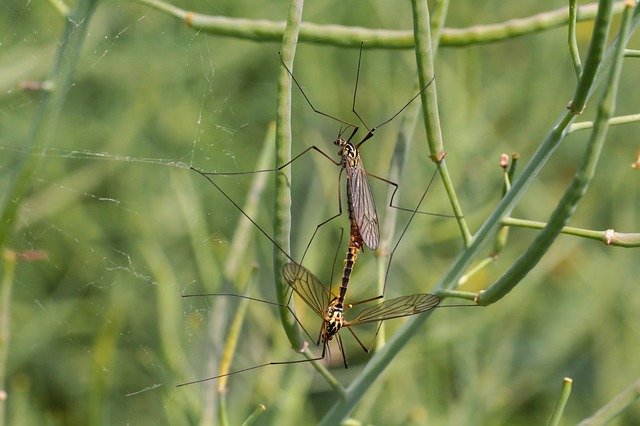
<point x="331" y="309"/>
<point x="360" y="203"/>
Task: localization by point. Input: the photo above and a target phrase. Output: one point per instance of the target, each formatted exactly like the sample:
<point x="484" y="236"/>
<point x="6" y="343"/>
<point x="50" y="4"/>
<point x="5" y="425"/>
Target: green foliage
<point x="118" y="228"/>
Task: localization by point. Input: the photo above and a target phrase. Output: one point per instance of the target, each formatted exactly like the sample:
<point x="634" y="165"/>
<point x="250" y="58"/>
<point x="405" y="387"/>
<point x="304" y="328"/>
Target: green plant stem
<point x="338" y="35"/>
<point x="245" y="228"/>
<point x="629" y="53"/>
<point x="573" y="44"/>
<point x="382" y="358"/>
<point x="617" y="405"/>
<point x="457" y="294"/>
<point x="330" y="378"/>
<point x="475" y="269"/>
<point x="594" y="56"/>
<point x="6" y="288"/>
<point x="623" y="119"/>
<point x="574" y="194"/>
<point x="398" y="159"/>
<point x="230" y="346"/>
<point x="429" y="97"/>
<point x="609" y="236"/>
<point x="49" y="109"/>
<point x="388" y="225"/>
<point x="558" y="410"/>
<point x="282" y="207"/>
<point x="254" y="416"/>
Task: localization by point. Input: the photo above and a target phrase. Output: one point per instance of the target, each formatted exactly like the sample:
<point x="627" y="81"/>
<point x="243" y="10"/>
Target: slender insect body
<point x="362" y="208"/>
<point x="355" y="245"/>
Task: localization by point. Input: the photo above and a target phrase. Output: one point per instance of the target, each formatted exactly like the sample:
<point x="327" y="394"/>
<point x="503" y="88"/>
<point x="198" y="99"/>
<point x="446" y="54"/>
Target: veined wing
<point x="362" y="206"/>
<point x="395" y="308"/>
<point x="308" y="287"/>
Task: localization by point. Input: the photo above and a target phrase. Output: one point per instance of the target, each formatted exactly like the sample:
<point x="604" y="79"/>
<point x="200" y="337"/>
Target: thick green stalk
<point x="282" y="207"/>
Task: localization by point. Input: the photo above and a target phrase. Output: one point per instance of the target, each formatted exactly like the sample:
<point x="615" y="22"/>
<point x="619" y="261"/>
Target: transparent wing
<point x="396" y="308"/>
<point x="362" y="206"/>
<point x="308" y="287"/>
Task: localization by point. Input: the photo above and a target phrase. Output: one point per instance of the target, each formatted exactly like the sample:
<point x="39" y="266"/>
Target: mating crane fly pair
<point x="364" y="230"/>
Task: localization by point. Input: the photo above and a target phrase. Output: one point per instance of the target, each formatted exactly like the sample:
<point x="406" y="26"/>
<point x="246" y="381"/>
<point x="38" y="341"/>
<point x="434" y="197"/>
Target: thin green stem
<point x="439" y="11"/>
<point x="594" y="56"/>
<point x="623" y="119"/>
<point x="326" y="374"/>
<point x="388" y="226"/>
<point x="616" y="406"/>
<point x="475" y="269"/>
<point x="254" y="416"/>
<point x="574" y="194"/>
<point x="630" y="53"/>
<point x="558" y="410"/>
<point x="6" y="288"/>
<point x="49" y="109"/>
<point x="608" y="237"/>
<point x="399" y="157"/>
<point x="457" y="294"/>
<point x="245" y="228"/>
<point x="429" y="97"/>
<point x="230" y="346"/>
<point x="262" y="30"/>
<point x="573" y="44"/>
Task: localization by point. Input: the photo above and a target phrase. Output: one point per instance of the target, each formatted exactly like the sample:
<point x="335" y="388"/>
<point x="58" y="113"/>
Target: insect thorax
<point x="347" y="152"/>
<point x="333" y="319"/>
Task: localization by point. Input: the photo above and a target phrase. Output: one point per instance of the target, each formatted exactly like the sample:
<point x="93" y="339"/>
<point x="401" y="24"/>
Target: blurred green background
<point x="99" y="331"/>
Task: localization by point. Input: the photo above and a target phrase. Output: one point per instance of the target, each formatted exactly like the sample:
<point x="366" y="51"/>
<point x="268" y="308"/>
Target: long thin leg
<point x="328" y="220"/>
<point x="369" y="135"/>
<point x="396" y="187"/>
<point x="355" y="91"/>
<point x="243" y="212"/>
<point x="341" y="347"/>
<point x="413" y="214"/>
<point x="299" y="361"/>
<point x="313" y="147"/>
<point x="317" y="111"/>
<point x="268" y="302"/>
<point x="364" y="348"/>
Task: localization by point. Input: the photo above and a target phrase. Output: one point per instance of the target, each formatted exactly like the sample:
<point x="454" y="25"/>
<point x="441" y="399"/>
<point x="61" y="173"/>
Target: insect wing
<point x="307" y="286"/>
<point x="362" y="206"/>
<point x="395" y="308"/>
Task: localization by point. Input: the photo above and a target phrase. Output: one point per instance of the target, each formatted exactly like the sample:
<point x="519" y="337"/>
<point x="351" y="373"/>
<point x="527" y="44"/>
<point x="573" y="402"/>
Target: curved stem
<point x="262" y="30"/>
